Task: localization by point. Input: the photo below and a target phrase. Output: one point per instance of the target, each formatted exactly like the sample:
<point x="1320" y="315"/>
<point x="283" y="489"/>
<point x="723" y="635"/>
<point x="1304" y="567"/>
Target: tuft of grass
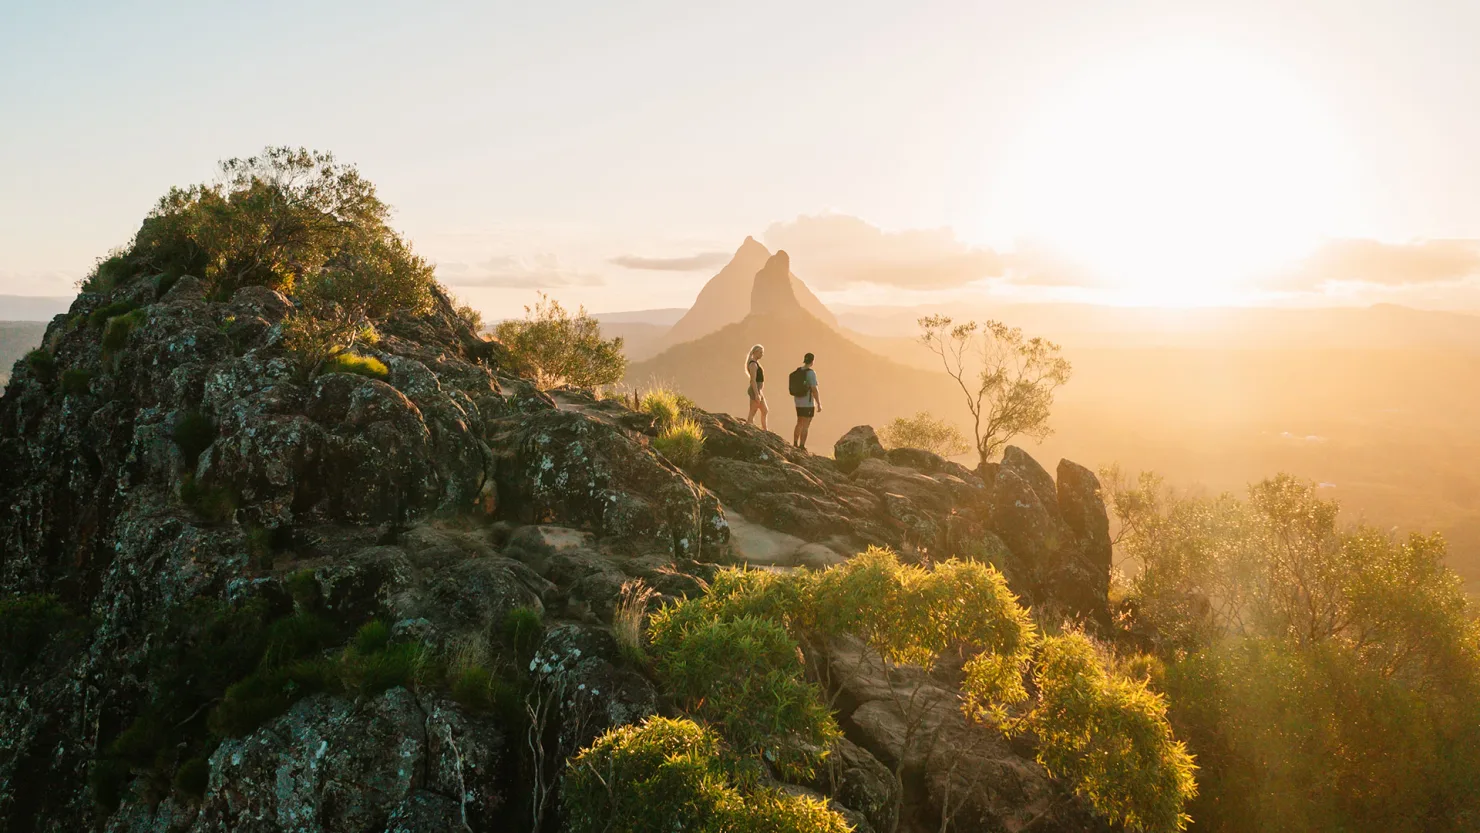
<point x="372" y="637"/>
<point x="213" y="503"/>
<point x="75" y="381"/>
<point x="661" y="404"/>
<point x="269" y="692"/>
<point x="524" y="628"/>
<point x="193" y="434"/>
<point x="682" y="442"/>
<point x="303" y="586"/>
<point x="192" y="778"/>
<point x="116" y="333"/>
<point x="100" y="316"/>
<point x="165" y="282"/>
<point x="358" y="365"/>
<point x="629" y="620"/>
<point x="371" y="673"/>
<point x="42" y="363"/>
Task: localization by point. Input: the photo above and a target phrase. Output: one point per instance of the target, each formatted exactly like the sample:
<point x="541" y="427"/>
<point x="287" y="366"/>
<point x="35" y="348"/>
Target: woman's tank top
<point x="760" y="372"/>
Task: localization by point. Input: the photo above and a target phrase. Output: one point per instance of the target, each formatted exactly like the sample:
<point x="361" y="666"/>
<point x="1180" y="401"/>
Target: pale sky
<point x="1129" y="152"/>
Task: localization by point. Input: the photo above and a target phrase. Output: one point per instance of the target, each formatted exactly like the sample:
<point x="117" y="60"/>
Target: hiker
<point x="756" y="388"/>
<point x="802" y="385"/>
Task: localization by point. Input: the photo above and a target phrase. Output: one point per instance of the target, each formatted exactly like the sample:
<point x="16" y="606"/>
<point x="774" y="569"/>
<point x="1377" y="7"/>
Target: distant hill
<point x="857" y="386"/>
<point x="16" y="339"/>
<point x="725" y="299"/>
<point x="32" y="307"/>
<point x="664" y="318"/>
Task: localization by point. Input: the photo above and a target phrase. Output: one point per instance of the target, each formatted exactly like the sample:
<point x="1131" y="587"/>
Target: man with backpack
<point x="802" y="385"/>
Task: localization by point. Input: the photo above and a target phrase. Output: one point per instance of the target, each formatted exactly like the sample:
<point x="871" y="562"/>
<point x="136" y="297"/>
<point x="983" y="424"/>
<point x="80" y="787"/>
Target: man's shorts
<point x="808" y="412"/>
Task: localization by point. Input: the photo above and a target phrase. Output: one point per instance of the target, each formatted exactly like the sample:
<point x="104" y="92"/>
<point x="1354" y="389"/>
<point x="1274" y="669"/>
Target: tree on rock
<point x="925" y="431"/>
<point x="556" y="348"/>
<point x="1007" y="378"/>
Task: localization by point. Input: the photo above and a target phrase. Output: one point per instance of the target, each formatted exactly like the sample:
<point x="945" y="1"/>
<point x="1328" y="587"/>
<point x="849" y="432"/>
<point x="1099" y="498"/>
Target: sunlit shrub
<point x="368" y="366"/>
<point x="662" y="405"/>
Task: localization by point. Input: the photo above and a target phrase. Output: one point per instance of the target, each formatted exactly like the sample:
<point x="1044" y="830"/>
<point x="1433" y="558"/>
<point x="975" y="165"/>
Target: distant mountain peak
<point x="772" y="292"/>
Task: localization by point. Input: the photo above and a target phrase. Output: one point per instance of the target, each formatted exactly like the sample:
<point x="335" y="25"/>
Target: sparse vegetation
<point x="681" y="442"/>
<point x="118" y="329"/>
<point x="662" y="405"/>
<point x="367" y="366"/>
<point x="214" y="503"/>
<point x="1008" y="379"/>
<point x="75" y="381"/>
<point x="924" y="431"/>
<point x="523" y="628"/>
<point x="555" y="348"/>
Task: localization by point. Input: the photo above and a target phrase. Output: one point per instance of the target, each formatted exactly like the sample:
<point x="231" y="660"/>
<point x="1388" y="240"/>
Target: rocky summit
<point x="242" y="597"/>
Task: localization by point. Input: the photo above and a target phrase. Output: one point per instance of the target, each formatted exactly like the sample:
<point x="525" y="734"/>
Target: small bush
<point x="164" y="283"/>
<point x="303" y="586"/>
<point x="554" y="348"/>
<point x="75" y="381"/>
<point x="116" y="333"/>
<point x="662" y="405"/>
<point x="109" y="273"/>
<point x="359" y="365"/>
<point x="629" y="618"/>
<point x="668" y="774"/>
<point x="523" y="629"/>
<point x="924" y="431"/>
<point x="106" y="779"/>
<point x="745" y="677"/>
<point x="681" y="442"/>
<point x="42" y="363"/>
<point x="662" y="775"/>
<point x="193" y="434"/>
<point x="193" y="777"/>
<point x="372" y="637"/>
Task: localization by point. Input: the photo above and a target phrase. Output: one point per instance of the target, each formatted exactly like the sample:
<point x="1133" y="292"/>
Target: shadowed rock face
<point x="771" y="294"/>
<point x="199" y="497"/>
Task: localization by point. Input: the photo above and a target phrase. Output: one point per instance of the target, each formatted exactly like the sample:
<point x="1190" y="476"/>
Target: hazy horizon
<point x="1146" y="154"/>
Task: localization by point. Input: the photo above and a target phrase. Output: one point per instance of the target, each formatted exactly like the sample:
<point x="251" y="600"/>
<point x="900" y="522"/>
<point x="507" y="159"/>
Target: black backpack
<point x="797" y="383"/>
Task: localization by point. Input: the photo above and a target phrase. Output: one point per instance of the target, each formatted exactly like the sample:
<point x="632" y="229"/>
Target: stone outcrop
<point x="191" y="482"/>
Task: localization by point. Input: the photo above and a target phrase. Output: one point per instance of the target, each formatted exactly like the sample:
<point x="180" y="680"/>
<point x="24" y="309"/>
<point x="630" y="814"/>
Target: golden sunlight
<point x="1178" y="178"/>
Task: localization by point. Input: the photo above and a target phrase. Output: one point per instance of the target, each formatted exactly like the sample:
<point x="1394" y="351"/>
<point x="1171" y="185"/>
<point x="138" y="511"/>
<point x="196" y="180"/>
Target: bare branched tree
<point x="1008" y="380"/>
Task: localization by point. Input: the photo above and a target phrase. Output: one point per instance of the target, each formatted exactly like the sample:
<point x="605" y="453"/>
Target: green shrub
<point x="745" y="677"/>
<point x="359" y="365"/>
<point x="303" y="586"/>
<point x="682" y="442"/>
<point x="193" y="778"/>
<point x="523" y="630"/>
<point x="100" y="316"/>
<point x="662" y="775"/>
<point x="773" y="811"/>
<point x="662" y="405"/>
<point x="42" y="363"/>
<point x="1110" y="738"/>
<point x="372" y="637"/>
<point x="193" y="433"/>
<point x="116" y="333"/>
<point x="164" y="283"/>
<point x="295" y="636"/>
<point x="75" y="381"/>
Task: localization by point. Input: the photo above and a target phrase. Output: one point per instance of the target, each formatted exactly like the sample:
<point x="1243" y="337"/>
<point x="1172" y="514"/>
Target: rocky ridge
<point x="187" y="474"/>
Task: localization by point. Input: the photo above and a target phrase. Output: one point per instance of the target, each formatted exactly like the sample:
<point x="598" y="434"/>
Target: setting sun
<point x="1177" y="178"/>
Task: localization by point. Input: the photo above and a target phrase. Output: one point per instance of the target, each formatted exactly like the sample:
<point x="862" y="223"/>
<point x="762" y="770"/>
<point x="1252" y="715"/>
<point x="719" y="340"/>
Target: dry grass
<point x="630" y="618"/>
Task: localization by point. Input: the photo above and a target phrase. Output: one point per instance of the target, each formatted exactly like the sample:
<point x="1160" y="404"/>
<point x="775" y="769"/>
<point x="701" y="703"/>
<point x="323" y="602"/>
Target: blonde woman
<point x="756" y="387"/>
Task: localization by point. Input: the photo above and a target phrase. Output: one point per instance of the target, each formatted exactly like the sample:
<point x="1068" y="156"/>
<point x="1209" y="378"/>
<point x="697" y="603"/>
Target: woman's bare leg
<point x="765" y="412"/>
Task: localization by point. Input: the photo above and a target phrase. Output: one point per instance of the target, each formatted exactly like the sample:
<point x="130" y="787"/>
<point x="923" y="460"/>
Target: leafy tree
<point x="926" y="431"/>
<point x="1008" y="379"/>
<point x="555" y="348"/>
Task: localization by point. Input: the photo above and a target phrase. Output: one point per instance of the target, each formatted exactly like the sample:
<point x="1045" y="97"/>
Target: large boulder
<point x="859" y="444"/>
<point x="559" y="467"/>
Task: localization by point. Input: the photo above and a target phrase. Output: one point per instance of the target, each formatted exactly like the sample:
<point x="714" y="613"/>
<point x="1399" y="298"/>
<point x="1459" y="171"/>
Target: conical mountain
<point x="725" y="299"/>
<point x="857" y="386"/>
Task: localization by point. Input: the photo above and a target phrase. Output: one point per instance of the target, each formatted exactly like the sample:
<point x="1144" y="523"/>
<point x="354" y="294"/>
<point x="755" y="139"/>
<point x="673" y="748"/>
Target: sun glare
<point x="1177" y="179"/>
